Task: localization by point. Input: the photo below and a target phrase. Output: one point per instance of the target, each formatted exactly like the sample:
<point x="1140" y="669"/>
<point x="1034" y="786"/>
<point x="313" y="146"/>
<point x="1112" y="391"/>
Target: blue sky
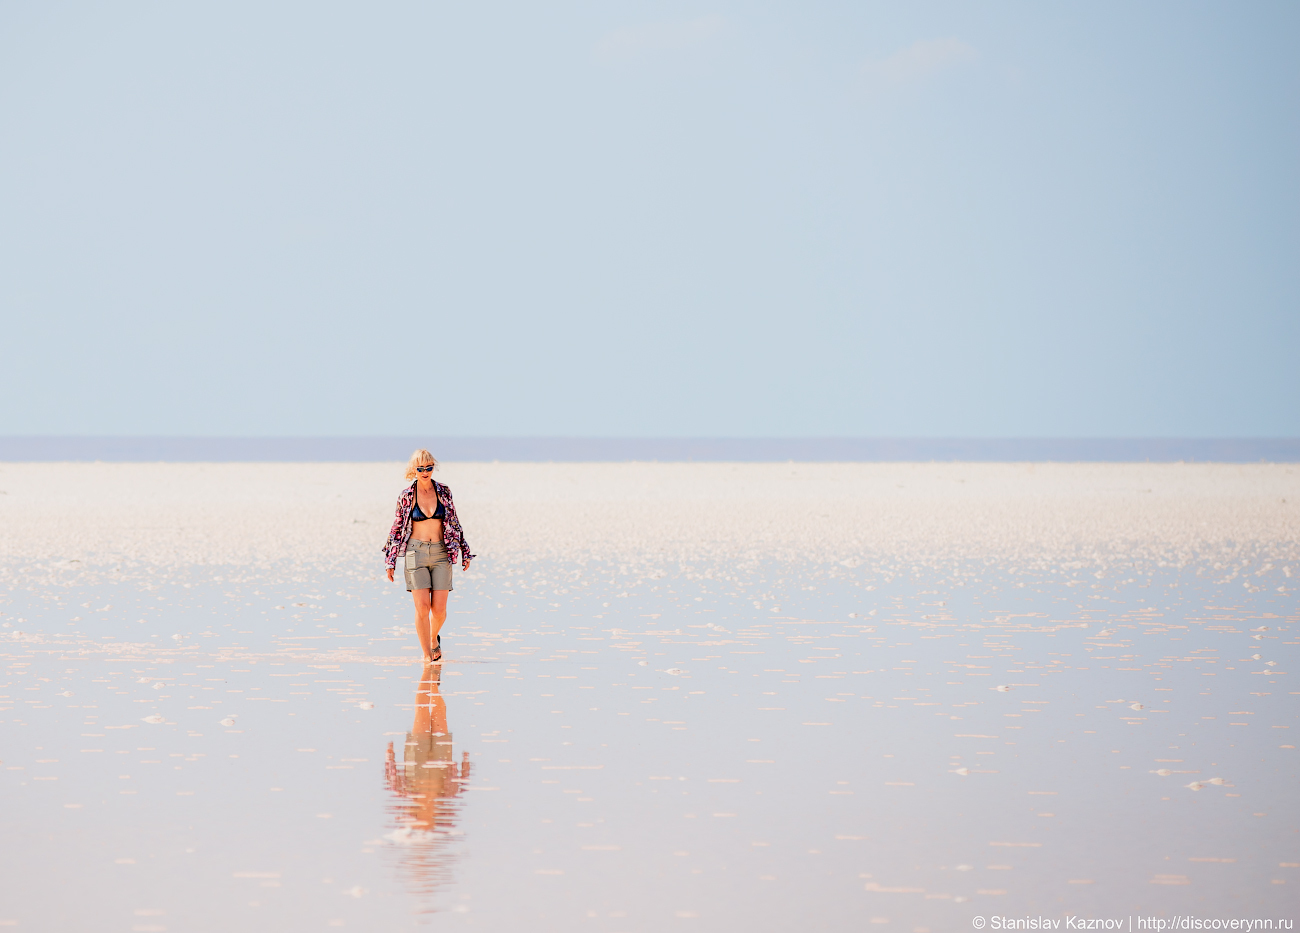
<point x="634" y="219"/>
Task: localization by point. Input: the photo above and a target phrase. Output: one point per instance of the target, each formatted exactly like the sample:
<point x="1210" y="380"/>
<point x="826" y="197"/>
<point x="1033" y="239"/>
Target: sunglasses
<point x="427" y="469"/>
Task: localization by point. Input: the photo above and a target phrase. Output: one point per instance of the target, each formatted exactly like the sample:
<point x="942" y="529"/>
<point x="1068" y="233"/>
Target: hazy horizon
<point x="664" y="449"/>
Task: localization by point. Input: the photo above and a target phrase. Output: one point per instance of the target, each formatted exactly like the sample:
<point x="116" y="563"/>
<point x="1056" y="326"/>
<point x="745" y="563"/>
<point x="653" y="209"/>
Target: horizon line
<point x="576" y="448"/>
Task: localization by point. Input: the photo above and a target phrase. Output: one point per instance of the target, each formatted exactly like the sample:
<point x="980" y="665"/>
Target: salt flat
<point x="712" y="695"/>
<point x="170" y="514"/>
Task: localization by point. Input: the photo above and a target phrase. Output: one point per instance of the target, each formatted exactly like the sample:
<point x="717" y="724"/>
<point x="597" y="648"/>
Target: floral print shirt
<point x="452" y="537"/>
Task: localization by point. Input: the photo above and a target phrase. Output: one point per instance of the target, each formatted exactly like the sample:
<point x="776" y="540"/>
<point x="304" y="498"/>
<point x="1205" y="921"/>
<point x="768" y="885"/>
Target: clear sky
<point x="648" y="219"/>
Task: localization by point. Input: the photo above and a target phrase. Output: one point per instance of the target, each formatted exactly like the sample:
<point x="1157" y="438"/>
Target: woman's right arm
<point x="394" y="539"/>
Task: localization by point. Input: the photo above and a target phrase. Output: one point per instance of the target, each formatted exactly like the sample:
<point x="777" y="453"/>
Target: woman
<point x="427" y="534"/>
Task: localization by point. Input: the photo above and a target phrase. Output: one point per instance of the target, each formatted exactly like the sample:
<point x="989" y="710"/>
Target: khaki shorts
<point x="426" y="747"/>
<point x="426" y="566"/>
<point x="428" y="764"/>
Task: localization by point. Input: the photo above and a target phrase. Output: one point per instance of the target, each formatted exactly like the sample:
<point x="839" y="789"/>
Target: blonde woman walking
<point x="426" y="534"/>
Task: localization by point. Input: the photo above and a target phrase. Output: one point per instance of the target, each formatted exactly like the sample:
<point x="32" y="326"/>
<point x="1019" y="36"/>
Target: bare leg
<point x="430" y="707"/>
<point x="437" y="611"/>
<point x="422" y="606"/>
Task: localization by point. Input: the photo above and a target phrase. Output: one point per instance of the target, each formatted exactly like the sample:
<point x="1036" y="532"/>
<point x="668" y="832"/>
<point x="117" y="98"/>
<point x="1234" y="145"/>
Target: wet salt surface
<point x="642" y="742"/>
<point x="734" y="747"/>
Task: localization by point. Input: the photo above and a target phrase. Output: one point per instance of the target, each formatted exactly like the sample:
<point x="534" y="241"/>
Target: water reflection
<point x="426" y="787"/>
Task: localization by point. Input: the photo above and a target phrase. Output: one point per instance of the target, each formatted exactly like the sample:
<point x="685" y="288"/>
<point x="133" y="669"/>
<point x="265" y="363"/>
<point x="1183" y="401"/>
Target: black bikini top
<point x="418" y="516"/>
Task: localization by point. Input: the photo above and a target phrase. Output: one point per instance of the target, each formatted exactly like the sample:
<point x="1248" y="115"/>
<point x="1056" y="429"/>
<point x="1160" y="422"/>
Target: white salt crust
<point x="262" y="515"/>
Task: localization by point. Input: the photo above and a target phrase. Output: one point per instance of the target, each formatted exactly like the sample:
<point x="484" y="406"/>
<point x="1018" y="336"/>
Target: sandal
<point x="437" y="651"/>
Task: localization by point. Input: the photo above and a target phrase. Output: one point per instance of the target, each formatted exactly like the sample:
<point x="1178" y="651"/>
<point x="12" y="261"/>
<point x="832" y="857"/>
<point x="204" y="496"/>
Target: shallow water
<point x="752" y="745"/>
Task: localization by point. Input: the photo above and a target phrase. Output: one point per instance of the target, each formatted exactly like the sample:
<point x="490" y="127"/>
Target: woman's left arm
<point x="454" y="523"/>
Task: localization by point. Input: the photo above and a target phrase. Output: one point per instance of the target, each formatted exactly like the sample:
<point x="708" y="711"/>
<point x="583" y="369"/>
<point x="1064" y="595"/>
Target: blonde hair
<point x="420" y="458"/>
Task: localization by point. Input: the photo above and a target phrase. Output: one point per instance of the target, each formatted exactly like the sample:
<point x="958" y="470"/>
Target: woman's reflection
<point x="426" y="784"/>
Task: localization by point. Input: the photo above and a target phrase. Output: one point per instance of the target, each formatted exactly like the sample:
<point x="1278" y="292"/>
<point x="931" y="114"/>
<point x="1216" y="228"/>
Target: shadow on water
<point x="425" y="806"/>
